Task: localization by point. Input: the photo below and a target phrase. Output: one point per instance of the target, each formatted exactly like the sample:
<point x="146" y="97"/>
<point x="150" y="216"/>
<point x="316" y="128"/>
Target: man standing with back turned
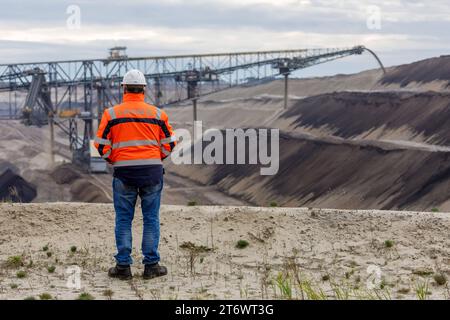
<point x="135" y="137"/>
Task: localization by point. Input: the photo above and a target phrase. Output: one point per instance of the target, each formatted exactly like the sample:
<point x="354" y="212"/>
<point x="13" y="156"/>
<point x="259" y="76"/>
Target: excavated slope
<point x="409" y="116"/>
<point x="333" y="173"/>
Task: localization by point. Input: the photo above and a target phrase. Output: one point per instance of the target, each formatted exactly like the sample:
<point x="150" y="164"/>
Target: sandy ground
<point x="329" y="250"/>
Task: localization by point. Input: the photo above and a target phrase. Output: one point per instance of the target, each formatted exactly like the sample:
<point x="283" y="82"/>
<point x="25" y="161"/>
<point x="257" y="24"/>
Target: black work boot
<point x="120" y="272"/>
<point x="154" y="270"/>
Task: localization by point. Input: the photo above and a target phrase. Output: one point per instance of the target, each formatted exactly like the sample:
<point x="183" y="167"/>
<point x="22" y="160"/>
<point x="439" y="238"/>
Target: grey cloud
<point x="330" y="18"/>
<point x="321" y="18"/>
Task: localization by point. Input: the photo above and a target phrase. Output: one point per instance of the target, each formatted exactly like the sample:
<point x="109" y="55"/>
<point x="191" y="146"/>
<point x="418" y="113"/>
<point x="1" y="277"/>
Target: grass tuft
<point x="14" y="262"/>
<point x="193" y="247"/>
<point x="85" y="296"/>
<point x="284" y="285"/>
<point x="45" y="296"/>
<point x="440" y="279"/>
<point x="108" y="293"/>
<point x="21" y="274"/>
<point x="422" y="290"/>
<point x="193" y="253"/>
<point x="242" y="244"/>
<point x="423" y="272"/>
<point x="388" y="243"/>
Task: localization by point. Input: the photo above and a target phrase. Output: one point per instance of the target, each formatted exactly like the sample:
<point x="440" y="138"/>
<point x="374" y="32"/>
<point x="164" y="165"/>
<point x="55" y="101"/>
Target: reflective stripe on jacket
<point x="134" y="133"/>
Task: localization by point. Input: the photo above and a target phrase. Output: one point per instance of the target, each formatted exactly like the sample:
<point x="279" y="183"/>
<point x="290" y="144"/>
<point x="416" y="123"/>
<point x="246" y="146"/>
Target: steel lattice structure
<point x="93" y="85"/>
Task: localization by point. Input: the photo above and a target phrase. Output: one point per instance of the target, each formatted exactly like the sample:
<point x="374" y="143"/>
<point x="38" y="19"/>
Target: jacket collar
<point x="133" y="97"/>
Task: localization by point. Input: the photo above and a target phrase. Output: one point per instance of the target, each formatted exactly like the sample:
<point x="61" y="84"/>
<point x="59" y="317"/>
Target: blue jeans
<point x="125" y="198"/>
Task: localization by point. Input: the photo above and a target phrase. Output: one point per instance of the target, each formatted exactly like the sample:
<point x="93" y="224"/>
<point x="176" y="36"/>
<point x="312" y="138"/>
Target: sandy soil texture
<point x="291" y="253"/>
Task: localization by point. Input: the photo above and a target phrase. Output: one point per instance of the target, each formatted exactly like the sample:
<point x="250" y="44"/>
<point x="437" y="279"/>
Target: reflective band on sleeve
<point x="141" y="162"/>
<point x="168" y="140"/>
<point x="104" y="142"/>
<point x="106" y="155"/>
<point x="158" y="113"/>
<point x="112" y="113"/>
<point x="167" y="153"/>
<point x="135" y="143"/>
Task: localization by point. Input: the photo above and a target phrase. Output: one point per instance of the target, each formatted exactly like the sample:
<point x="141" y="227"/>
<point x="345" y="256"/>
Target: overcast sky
<point x="399" y="30"/>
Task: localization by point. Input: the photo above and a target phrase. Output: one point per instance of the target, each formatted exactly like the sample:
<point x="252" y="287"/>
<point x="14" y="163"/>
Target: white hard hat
<point x="135" y="77"/>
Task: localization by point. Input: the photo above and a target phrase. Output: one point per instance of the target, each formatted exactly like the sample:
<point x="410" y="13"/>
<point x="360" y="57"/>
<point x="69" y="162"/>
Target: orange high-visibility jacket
<point x="134" y="133"/>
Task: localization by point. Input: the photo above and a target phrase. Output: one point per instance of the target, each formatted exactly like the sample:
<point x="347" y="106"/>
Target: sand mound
<point x="14" y="188"/>
<point x="65" y="174"/>
<point x="84" y="190"/>
<point x="81" y="187"/>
